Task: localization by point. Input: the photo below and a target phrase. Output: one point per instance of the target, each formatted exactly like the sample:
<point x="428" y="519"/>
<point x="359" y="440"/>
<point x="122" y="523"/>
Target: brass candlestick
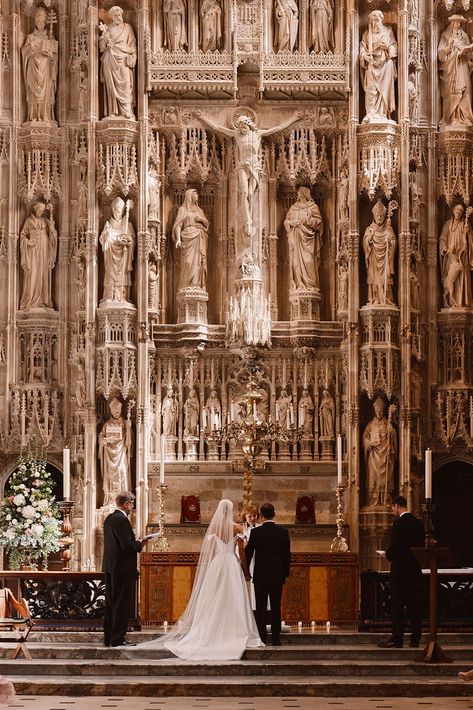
<point x="67" y="539"/>
<point x="161" y="544"/>
<point x="339" y="544"/>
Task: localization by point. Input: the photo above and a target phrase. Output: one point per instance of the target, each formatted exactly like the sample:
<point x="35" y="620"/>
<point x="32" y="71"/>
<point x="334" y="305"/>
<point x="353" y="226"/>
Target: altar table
<point x="322" y="587"/>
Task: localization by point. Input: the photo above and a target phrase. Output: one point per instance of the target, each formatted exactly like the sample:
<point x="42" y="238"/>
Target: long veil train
<point x="218" y="623"/>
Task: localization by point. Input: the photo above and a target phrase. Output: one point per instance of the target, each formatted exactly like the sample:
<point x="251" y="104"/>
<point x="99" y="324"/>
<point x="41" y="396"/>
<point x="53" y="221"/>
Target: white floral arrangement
<point x="30" y="527"/>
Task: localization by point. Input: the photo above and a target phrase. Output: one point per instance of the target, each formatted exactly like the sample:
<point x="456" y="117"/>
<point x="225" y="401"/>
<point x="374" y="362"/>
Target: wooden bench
<point x="20" y="626"/>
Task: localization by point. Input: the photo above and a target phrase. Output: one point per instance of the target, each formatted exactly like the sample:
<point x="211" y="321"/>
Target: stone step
<point x="267" y="686"/>
<point x="282" y="653"/>
<point x="173" y="667"/>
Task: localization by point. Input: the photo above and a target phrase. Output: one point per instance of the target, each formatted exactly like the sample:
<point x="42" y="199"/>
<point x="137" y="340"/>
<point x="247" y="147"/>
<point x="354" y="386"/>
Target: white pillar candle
<point x="204" y="417"/>
<point x="255" y="411"/>
<point x="232" y="410"/>
<point x="161" y="462"/>
<point x="66" y="474"/>
<point x="339" y="461"/>
<point x="291" y="410"/>
<point x="301" y="417"/>
<point x="428" y="474"/>
<point x="277" y="411"/>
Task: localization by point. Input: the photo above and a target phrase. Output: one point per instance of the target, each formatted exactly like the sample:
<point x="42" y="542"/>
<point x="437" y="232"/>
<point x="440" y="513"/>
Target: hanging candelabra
<point x="252" y="430"/>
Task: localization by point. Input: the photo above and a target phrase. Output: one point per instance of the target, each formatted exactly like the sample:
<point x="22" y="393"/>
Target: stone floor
<point x="92" y="703"/>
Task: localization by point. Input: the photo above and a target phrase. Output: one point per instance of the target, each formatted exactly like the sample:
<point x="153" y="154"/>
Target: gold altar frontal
<point x="322" y="587"/>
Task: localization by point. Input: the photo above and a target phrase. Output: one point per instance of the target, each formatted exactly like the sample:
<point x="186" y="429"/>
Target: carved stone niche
<point x="305" y="305"/>
<point x="116" y="350"/>
<point x="455" y="347"/>
<point x="378" y="158"/>
<point x="455" y="163"/>
<point x="39" y="165"/>
<point x="192" y="305"/>
<point x="117" y="172"/>
<point x="379" y="366"/>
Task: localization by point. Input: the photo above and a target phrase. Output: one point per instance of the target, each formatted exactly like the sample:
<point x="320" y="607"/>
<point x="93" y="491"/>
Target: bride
<point x="218" y="623"/>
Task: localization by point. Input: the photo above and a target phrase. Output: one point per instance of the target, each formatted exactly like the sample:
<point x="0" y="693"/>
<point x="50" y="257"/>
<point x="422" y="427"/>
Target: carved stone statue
<point x="413" y="13"/>
<point x="343" y="195"/>
<point x="118" y="243"/>
<point x="115" y="453"/>
<point x="286" y="15"/>
<point x="169" y="413"/>
<point x="306" y="413"/>
<point x="262" y="407"/>
<point x="378" y="50"/>
<point x="211" y="25"/>
<point x="152" y="285"/>
<point x="191" y="414"/>
<point x="80" y="385"/>
<point x="456" y="64"/>
<point x="343" y="286"/>
<point x="321" y="25"/>
<point x="380" y="449"/>
<point x="284" y="402"/>
<point x="38" y="247"/>
<point x="248" y="146"/>
<point x="327" y="415"/>
<point x="80" y="284"/>
<point x="40" y="64"/>
<point x="175" y="25"/>
<point x="214" y="409"/>
<point x="414" y="287"/>
<point x="153" y="193"/>
<point x="456" y="258"/>
<point x="304" y="229"/>
<point x="190" y="235"/>
<point x="118" y="47"/>
<point x="379" y="246"/>
<point x="413" y="96"/>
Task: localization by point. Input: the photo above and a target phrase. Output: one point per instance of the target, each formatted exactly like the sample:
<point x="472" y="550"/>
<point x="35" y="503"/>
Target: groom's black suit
<point x="119" y="565"/>
<point x="272" y="549"/>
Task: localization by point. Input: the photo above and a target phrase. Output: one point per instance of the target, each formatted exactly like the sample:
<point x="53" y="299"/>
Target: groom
<point x="272" y="549"/>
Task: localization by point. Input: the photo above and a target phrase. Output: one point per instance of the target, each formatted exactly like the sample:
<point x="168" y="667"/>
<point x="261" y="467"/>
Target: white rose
<point x="19" y="499"/>
<point x="37" y="529"/>
<point x="10" y="535"/>
<point x="42" y="504"/>
<point x="28" y="512"/>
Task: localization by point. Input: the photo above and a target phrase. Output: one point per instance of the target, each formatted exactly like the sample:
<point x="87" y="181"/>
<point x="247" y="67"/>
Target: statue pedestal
<point x="192" y="305"/>
<point x="305" y="453"/>
<point x="191" y="447"/>
<point x="170" y="448"/>
<point x="284" y="453"/>
<point x="326" y="443"/>
<point x="305" y="305"/>
<point x="212" y="452"/>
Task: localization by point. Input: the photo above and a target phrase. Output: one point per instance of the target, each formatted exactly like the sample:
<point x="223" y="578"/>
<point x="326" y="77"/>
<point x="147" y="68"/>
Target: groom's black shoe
<point x="276" y="642"/>
<point x="390" y="643"/>
<point x="123" y="643"/>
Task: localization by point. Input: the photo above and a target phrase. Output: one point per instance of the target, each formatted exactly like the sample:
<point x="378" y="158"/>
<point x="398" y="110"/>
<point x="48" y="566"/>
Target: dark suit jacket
<point x="407" y="532"/>
<point x="120" y="544"/>
<point x="272" y="549"/>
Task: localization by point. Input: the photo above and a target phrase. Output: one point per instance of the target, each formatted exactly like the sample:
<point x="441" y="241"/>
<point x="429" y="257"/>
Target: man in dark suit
<point x="119" y="565"/>
<point x="406" y="575"/>
<point x="271" y="546"/>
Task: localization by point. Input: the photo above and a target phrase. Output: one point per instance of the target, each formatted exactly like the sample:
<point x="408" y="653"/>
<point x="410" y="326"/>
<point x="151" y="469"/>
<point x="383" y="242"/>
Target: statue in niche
<point x="456" y="65"/>
<point x="412" y="96"/>
<point x="262" y="406"/>
<point x="211" y="25"/>
<point x="379" y="246"/>
<point x="343" y="195"/>
<point x="380" y="450"/>
<point x="286" y="14"/>
<point x="214" y="409"/>
<point x="38" y="247"/>
<point x="78" y="487"/>
<point x="414" y="287"/>
<point x="321" y="25"/>
<point x="327" y="415"/>
<point x="190" y="235"/>
<point x="80" y="393"/>
<point x="152" y="285"/>
<point x="343" y="286"/>
<point x="191" y="414"/>
<point x="82" y="8"/>
<point x="169" y="413"/>
<point x="83" y="102"/>
<point x="378" y="50"/>
<point x="248" y="147"/>
<point x="118" y="47"/>
<point x="306" y="413"/>
<point x="412" y="13"/>
<point x="456" y="258"/>
<point x="284" y="408"/>
<point x="115" y="453"/>
<point x="118" y="243"/>
<point x="80" y="284"/>
<point x="304" y="228"/>
<point x="40" y="65"/>
<point x="153" y="193"/>
<point x="174" y="21"/>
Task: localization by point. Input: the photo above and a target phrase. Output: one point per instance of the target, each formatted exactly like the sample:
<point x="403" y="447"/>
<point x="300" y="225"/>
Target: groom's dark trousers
<point x="271" y="546"/>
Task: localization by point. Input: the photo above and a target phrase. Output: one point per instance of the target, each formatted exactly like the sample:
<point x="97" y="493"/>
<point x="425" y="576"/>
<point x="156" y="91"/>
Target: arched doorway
<point x="452" y="495"/>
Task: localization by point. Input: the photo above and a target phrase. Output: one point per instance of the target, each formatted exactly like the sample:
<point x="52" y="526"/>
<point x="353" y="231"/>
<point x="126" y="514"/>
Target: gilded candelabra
<point x="67" y="539"/>
<point x="339" y="544"/>
<point x="161" y="544"/>
<point x="253" y="431"/>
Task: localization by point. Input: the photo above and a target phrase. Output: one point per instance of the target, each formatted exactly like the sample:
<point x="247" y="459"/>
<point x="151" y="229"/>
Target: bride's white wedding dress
<point x="218" y="623"/>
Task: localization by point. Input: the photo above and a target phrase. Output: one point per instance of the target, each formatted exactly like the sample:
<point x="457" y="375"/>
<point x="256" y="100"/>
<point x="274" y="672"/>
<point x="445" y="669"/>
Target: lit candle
<point x="161" y="462"/>
<point x="291" y="412"/>
<point x="428" y="474"/>
<point x="66" y="473"/>
<point x="204" y="417"/>
<point x="277" y="411"/>
<point x="339" y="461"/>
<point x="301" y="417"/>
<point x="232" y="410"/>
<point x="255" y="411"/>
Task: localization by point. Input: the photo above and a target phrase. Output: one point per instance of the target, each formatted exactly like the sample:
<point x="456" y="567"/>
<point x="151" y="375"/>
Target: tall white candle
<point x="255" y="411"/>
<point x="232" y="410"/>
<point x="428" y="474"/>
<point x="277" y="411"/>
<point x="339" y="461"/>
<point x="161" y="463"/>
<point x="204" y="417"/>
<point x="66" y="473"/>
